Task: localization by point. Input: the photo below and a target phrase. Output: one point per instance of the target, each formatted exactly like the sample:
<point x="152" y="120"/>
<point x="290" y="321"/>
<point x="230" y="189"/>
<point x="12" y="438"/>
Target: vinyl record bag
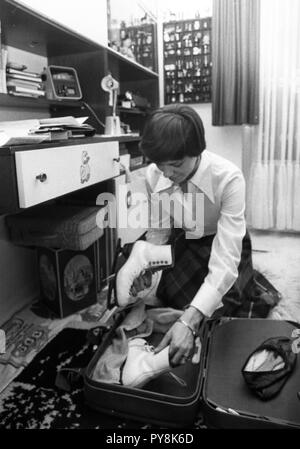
<point x="55" y="226"/>
<point x="213" y="388"/>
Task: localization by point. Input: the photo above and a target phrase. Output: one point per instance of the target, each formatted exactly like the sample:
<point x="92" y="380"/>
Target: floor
<point x="277" y="256"/>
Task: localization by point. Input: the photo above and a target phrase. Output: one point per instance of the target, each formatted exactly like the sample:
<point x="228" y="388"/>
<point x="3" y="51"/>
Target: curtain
<point x="274" y="182"/>
<point x="235" y="62"/>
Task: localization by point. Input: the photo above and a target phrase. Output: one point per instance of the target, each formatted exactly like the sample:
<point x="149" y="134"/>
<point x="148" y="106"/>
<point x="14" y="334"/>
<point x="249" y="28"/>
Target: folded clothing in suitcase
<point x="55" y="226"/>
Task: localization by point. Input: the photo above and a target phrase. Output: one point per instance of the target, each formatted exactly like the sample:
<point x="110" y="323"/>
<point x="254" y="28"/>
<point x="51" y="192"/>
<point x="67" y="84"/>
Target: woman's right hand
<point x="142" y="282"/>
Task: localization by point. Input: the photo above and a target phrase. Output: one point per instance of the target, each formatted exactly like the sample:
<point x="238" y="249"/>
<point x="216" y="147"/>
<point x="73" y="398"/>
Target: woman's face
<point x="178" y="170"/>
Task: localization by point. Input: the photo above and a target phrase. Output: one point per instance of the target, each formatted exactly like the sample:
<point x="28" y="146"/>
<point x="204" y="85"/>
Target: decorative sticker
<point x="85" y="171"/>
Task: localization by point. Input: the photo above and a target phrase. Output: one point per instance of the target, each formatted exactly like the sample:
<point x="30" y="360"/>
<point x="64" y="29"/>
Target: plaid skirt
<point x="179" y="284"/>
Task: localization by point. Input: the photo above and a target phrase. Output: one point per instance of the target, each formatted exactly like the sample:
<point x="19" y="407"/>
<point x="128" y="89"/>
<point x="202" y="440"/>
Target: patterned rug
<point x="32" y="401"/>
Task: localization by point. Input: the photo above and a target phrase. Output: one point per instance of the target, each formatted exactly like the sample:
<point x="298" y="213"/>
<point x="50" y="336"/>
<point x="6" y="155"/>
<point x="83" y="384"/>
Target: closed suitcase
<point x="215" y="387"/>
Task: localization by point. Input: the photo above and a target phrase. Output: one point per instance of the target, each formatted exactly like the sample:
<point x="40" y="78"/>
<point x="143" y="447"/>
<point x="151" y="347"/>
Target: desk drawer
<point x="51" y="172"/>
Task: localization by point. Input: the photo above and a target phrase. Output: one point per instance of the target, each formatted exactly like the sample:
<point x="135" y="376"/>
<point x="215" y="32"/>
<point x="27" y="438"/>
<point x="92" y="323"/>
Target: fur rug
<point x="277" y="256"/>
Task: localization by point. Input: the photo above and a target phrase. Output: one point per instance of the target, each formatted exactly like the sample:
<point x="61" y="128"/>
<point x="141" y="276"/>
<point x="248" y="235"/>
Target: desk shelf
<point x="133" y="111"/>
<point x="11" y="101"/>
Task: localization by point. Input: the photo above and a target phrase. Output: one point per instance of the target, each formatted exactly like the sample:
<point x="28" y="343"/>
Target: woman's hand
<point x="181" y="341"/>
<point x="180" y="337"/>
<point x="142" y="282"/>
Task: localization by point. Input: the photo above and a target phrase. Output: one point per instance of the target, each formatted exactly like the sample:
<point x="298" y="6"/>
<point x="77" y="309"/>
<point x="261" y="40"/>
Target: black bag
<point x="264" y="291"/>
<point x="262" y="296"/>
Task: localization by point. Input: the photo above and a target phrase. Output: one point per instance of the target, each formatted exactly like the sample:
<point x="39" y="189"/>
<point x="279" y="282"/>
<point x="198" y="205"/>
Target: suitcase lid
<point x="229" y="343"/>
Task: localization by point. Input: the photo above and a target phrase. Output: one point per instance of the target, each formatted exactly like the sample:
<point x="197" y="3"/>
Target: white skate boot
<point x="144" y="256"/>
<point x="142" y="364"/>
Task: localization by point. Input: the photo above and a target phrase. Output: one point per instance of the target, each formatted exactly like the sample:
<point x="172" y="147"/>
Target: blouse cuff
<point x="207" y="300"/>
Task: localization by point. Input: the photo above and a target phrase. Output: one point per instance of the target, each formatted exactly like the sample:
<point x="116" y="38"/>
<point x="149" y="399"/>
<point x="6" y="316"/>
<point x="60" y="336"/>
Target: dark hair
<point x="173" y="132"/>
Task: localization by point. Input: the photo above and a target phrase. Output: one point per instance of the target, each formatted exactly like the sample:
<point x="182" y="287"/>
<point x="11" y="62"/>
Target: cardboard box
<point x="68" y="279"/>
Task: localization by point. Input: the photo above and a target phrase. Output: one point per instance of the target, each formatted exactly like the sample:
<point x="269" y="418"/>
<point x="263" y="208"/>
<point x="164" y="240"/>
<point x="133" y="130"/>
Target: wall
<point x="174" y="9"/>
<point x="227" y="141"/>
<point x="120" y="10"/>
<point x="18" y="279"/>
<point x="88" y="17"/>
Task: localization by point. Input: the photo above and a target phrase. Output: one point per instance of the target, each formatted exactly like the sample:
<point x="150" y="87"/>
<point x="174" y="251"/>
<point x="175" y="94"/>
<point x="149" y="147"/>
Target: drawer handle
<point x="116" y="159"/>
<point x="41" y="177"/>
<point x="129" y="199"/>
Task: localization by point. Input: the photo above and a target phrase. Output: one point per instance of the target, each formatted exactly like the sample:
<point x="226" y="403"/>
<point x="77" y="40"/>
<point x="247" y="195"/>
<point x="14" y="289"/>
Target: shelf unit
<point x="187" y="61"/>
<point x="144" y="43"/>
<point x="130" y="69"/>
<point x="27" y="30"/>
<point x="24" y="29"/>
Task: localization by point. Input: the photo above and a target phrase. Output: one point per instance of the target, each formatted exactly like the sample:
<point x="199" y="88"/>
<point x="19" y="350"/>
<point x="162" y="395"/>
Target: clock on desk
<point x="61" y="83"/>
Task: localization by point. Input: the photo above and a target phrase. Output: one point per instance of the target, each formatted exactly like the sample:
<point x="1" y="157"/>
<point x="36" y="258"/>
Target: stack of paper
<point x="20" y="132"/>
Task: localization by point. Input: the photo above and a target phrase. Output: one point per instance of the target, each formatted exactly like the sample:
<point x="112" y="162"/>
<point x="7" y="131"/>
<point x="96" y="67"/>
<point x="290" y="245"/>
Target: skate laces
<point x="144" y="345"/>
<point x="149" y="348"/>
<point x="179" y="380"/>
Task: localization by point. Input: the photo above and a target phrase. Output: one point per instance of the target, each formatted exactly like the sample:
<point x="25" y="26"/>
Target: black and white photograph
<point x="149" y="218"/>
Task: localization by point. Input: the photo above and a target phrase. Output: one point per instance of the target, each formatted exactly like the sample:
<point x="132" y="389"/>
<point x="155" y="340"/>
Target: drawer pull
<point x="116" y="159"/>
<point x="129" y="199"/>
<point x="41" y="177"/>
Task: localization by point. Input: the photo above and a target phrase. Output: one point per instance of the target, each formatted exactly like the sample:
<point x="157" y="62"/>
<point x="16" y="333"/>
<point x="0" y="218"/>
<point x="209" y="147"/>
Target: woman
<point x="213" y="272"/>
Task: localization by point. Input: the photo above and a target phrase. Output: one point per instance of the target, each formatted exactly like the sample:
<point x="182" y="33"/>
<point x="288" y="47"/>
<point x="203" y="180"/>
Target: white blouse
<point x="215" y="205"/>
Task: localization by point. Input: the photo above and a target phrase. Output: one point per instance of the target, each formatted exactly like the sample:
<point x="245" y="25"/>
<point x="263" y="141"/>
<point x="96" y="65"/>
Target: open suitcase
<point x="162" y="401"/>
<point x="214" y="387"/>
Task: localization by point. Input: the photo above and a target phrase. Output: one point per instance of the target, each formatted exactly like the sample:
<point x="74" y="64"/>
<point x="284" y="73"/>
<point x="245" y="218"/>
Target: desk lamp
<point x="112" y="122"/>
